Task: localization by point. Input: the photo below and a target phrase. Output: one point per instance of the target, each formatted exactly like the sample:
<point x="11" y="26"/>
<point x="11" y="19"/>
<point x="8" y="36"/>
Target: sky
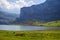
<point x="14" y="6"/>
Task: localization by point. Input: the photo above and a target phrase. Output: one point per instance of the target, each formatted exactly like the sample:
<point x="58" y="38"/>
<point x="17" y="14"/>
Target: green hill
<point x="41" y="23"/>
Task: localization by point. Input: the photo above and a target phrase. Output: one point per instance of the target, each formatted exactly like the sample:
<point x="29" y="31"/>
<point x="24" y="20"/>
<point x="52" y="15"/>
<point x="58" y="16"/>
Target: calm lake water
<point x="15" y="27"/>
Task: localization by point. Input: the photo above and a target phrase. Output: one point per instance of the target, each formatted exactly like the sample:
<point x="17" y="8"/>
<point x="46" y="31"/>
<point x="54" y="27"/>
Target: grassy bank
<point x="30" y="35"/>
<point x="52" y="24"/>
<point x="45" y="24"/>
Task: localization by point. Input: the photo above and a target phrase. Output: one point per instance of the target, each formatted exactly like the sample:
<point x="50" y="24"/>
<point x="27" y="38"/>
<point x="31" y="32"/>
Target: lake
<point x="15" y="27"/>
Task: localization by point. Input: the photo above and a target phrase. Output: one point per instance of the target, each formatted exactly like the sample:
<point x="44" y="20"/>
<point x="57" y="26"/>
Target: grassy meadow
<point x="30" y="35"/>
<point x="41" y="23"/>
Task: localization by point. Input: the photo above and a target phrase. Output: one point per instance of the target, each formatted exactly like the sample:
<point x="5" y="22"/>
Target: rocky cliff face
<point x="48" y="11"/>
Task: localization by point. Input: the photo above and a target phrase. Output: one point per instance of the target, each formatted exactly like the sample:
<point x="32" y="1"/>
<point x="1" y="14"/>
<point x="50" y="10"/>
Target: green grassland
<point x="45" y="24"/>
<point x="30" y="35"/>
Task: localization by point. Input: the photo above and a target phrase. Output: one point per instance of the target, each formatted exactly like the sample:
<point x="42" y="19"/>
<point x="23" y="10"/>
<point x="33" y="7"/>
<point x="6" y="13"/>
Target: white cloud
<point x="4" y="4"/>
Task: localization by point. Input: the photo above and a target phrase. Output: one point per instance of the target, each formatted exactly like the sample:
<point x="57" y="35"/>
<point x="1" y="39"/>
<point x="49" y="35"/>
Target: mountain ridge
<point x="6" y="18"/>
<point x="48" y="11"/>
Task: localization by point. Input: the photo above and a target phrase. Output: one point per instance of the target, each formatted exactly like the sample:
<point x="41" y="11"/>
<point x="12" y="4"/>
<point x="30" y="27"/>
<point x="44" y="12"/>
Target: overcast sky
<point x="14" y="6"/>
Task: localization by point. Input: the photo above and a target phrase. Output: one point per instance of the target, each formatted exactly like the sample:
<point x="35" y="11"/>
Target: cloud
<point x="17" y="5"/>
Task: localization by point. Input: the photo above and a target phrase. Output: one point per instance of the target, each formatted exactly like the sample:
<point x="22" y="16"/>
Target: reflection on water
<point x="15" y="27"/>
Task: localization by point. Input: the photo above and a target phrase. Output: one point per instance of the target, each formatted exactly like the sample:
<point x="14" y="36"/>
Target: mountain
<point x="48" y="11"/>
<point x="3" y="19"/>
<point x="6" y="18"/>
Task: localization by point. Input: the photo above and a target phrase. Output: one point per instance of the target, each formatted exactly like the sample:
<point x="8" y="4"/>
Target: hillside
<point x="48" y="11"/>
<point x="6" y="18"/>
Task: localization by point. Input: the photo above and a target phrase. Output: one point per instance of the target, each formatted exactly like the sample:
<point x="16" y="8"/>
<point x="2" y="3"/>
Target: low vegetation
<point x="38" y="23"/>
<point x="30" y="35"/>
<point x="52" y="24"/>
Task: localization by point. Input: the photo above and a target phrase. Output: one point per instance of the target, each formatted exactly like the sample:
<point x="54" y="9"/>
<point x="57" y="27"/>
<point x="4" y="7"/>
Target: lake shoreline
<point x="15" y="27"/>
